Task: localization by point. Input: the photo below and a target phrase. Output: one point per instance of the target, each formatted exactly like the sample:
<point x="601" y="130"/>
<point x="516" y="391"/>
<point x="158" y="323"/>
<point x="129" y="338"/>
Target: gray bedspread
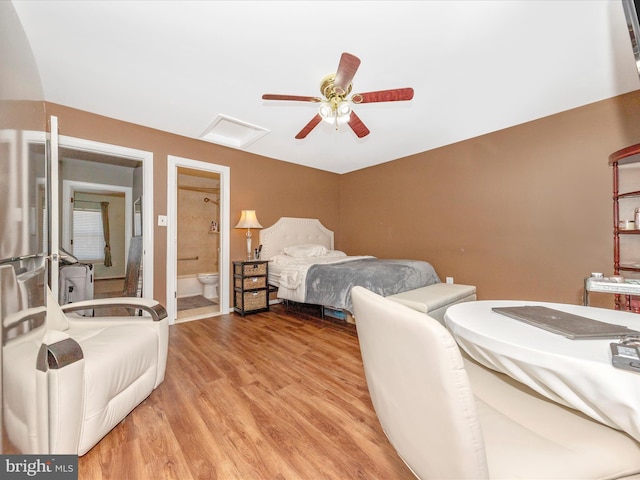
<point x="330" y="285"/>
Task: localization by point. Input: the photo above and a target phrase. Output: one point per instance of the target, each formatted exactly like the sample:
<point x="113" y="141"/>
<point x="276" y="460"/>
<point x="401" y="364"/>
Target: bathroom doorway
<point x="198" y="244"/>
<point x="198" y="231"/>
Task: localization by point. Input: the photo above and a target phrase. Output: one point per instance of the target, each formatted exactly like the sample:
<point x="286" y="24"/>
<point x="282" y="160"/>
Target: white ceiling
<point x="475" y="66"/>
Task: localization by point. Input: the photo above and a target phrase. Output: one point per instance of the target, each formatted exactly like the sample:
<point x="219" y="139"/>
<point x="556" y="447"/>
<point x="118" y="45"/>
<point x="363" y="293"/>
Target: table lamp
<point x="248" y="220"/>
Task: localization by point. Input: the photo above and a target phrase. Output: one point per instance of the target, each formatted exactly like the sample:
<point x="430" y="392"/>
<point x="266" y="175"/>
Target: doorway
<point x="95" y="162"/>
<point x="84" y="163"/>
<point x="83" y="205"/>
<point x="197" y="239"/>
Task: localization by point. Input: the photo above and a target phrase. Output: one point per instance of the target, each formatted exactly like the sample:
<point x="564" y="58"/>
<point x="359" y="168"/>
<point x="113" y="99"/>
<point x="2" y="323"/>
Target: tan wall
<point x="521" y="213"/>
<point x="273" y="188"/>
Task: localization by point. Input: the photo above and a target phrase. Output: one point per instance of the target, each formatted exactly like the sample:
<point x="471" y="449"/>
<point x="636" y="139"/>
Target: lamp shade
<point x="248" y="219"/>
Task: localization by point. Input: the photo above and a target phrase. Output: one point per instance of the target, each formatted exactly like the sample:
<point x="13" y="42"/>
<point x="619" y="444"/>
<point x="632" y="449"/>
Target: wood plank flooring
<point x="274" y="395"/>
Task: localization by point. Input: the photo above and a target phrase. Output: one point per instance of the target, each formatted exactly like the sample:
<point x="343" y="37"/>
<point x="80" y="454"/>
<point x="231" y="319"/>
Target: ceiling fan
<point x="335" y="108"/>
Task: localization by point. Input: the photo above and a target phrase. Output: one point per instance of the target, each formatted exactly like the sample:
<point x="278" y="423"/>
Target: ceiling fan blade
<point x="347" y="68"/>
<point x="359" y="128"/>
<point x="297" y="98"/>
<point x="395" y="95"/>
<point x="309" y="126"/>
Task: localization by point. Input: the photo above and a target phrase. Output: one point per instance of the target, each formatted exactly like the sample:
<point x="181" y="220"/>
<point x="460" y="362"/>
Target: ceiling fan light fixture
<point x="326" y="111"/>
<point x="343" y="112"/>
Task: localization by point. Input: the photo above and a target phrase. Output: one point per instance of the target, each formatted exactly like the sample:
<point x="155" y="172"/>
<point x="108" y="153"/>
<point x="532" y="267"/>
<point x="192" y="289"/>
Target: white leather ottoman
<point x="435" y="299"/>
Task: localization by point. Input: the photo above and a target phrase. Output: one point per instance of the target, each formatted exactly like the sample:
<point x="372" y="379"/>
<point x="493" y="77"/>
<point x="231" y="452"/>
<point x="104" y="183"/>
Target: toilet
<point x="210" y="282"/>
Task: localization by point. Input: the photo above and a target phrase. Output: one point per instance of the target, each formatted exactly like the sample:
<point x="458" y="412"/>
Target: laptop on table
<point x="568" y="324"/>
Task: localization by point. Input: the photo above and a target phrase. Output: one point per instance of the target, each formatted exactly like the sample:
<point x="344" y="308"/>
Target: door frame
<point x="53" y="201"/>
<point x="69" y="188"/>
<point x="146" y="158"/>
<point x="173" y="162"/>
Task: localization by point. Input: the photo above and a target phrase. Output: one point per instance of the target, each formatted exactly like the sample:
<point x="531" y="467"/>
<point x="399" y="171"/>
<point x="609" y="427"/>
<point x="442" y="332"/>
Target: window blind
<point x="88" y="237"/>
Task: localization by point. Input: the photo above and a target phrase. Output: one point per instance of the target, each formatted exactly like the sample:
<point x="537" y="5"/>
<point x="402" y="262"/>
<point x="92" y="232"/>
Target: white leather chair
<point x="70" y="379"/>
<point x="450" y="418"/>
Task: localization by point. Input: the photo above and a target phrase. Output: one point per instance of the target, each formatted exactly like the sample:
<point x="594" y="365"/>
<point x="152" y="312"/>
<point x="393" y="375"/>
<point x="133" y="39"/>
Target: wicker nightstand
<point x="251" y="288"/>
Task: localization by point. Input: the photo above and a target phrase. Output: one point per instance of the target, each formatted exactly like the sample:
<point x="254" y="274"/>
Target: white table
<point x="575" y="373"/>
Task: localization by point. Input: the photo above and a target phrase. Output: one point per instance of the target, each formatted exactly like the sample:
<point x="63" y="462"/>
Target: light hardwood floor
<point x="274" y="395"/>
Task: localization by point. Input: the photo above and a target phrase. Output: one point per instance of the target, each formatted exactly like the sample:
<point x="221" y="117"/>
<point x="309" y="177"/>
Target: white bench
<point x="435" y="299"/>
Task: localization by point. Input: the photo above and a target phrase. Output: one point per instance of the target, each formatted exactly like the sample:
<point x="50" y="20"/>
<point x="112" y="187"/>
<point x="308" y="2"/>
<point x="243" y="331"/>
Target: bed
<point x="305" y="267"/>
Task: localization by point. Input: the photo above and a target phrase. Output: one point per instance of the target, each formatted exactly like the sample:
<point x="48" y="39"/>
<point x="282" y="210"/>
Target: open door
<point x="53" y="204"/>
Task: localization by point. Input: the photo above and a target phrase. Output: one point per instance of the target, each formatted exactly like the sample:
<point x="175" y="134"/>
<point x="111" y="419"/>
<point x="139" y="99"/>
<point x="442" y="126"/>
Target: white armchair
<point x="449" y="418"/>
<point x="87" y="375"/>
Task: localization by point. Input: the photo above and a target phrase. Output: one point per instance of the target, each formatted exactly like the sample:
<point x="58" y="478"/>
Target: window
<point x="88" y="237"/>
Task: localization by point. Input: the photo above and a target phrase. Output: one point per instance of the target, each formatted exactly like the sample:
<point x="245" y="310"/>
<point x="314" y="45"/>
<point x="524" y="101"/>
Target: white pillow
<point x="306" y="250"/>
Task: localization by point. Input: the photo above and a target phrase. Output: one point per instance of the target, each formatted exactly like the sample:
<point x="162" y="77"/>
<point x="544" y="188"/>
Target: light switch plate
<point x="162" y="220"/>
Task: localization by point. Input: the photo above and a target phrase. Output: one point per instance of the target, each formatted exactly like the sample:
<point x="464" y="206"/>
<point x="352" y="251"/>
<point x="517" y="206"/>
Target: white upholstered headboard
<point x="293" y="231"/>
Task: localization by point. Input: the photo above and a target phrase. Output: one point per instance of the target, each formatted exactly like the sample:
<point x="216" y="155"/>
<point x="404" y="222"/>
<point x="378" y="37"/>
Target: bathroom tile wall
<point x="198" y="207"/>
